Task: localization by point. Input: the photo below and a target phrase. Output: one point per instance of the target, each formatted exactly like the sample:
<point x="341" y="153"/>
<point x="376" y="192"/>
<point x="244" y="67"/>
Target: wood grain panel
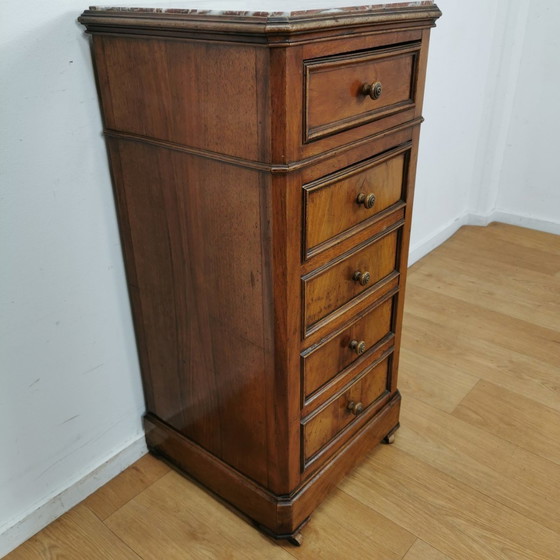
<point x="334" y="100"/>
<point x="334" y="285"/>
<point x="147" y="87"/>
<point x="331" y="203"/>
<point x="198" y="237"/>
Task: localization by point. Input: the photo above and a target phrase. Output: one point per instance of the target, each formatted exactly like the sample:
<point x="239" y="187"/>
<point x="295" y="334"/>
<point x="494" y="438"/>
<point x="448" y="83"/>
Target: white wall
<point x="456" y="97"/>
<point x="529" y="186"/>
<point x="70" y="393"/>
<point x="489" y="143"/>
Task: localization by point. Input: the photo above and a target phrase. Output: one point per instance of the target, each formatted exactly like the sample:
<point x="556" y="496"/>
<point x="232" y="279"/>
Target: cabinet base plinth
<point x="281" y="517"/>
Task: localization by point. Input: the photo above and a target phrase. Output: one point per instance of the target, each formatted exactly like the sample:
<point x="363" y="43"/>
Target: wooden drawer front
<point x="346" y="201"/>
<point x="323" y="426"/>
<point x="334" y="99"/>
<point x="332" y="286"/>
<point x="328" y="358"/>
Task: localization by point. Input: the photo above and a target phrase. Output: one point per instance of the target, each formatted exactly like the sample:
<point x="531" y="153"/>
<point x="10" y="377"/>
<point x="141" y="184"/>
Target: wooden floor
<point x="475" y="470"/>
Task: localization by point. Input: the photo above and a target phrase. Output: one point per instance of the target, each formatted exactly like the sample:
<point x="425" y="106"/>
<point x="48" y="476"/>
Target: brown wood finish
<point x="321" y="363"/>
<point x="241" y="240"/>
<point x="334" y="100"/>
<point x="332" y="205"/>
<point x="280" y="515"/>
<point x="345" y="409"/>
<point x="210" y="351"/>
<point x="337" y="384"/>
<point x="336" y="284"/>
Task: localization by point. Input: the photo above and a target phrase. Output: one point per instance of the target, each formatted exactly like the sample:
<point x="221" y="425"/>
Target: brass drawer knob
<point x="374" y="90"/>
<point x="358" y="347"/>
<point x="355" y="408"/>
<point x="368" y="200"/>
<point x="361" y="277"/>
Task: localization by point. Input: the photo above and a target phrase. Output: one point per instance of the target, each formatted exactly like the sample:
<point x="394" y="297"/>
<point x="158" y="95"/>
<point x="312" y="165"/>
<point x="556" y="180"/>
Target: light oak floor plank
<point x="433" y="381"/>
<point x="499" y="469"/>
<point x="78" y="534"/>
<point x="448" y="515"/>
<point x="523" y="294"/>
<point x="174" y="519"/>
<point x="422" y="551"/>
<point x="513" y="418"/>
<point x="117" y="492"/>
<point x="343" y="525"/>
<point x="473" y="320"/>
<point x="459" y="354"/>
<point x="479" y="244"/>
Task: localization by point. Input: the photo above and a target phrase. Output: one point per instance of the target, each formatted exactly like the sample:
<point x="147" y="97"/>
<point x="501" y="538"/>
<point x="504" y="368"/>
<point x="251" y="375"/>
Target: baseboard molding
<point x="21" y="530"/>
<point x="424" y="246"/>
<point x="429" y="243"/>
<point x="524" y="221"/>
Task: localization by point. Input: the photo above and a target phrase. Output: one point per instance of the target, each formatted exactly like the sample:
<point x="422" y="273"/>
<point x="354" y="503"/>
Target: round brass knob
<point x="368" y="200"/>
<point x="358" y="347"/>
<point x="374" y="90"/>
<point x="361" y="277"/>
<point x="355" y="408"/>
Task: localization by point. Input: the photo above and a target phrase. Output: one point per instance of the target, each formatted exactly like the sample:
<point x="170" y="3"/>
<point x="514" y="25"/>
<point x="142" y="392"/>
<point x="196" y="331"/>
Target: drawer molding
<point x="331" y="180"/>
<point x="308" y="326"/>
<point x="353" y="424"/>
<point x="363" y="320"/>
<point x="348" y="374"/>
<point x="357" y="117"/>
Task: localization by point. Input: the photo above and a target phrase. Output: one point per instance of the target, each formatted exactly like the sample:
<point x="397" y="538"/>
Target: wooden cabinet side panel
<point x="189" y="93"/>
<point x="199" y="246"/>
<point x="410" y="182"/>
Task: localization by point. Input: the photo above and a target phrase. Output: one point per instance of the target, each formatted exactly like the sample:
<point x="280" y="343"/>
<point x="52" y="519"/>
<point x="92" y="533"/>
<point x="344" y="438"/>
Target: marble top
<point x="259" y="8"/>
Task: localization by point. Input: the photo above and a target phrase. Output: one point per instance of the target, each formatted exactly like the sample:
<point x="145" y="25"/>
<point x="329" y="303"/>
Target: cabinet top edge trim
<point x="119" y="20"/>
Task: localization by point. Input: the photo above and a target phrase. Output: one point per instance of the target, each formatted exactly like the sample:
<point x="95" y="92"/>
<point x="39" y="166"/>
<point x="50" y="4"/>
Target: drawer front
<point x="357" y="273"/>
<point x="351" y="405"/>
<point x="341" y="203"/>
<point x="329" y="358"/>
<point x="345" y="91"/>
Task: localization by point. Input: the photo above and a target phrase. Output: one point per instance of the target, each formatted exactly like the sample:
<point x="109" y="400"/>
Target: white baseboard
<point x="429" y="243"/>
<point x="526" y="222"/>
<point x="424" y="246"/>
<point x="53" y="507"/>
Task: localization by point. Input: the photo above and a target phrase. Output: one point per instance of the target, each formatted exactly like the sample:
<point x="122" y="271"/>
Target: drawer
<point x="345" y="279"/>
<point x="330" y="357"/>
<point x="342" y="411"/>
<point x="349" y="90"/>
<point x="344" y="202"/>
